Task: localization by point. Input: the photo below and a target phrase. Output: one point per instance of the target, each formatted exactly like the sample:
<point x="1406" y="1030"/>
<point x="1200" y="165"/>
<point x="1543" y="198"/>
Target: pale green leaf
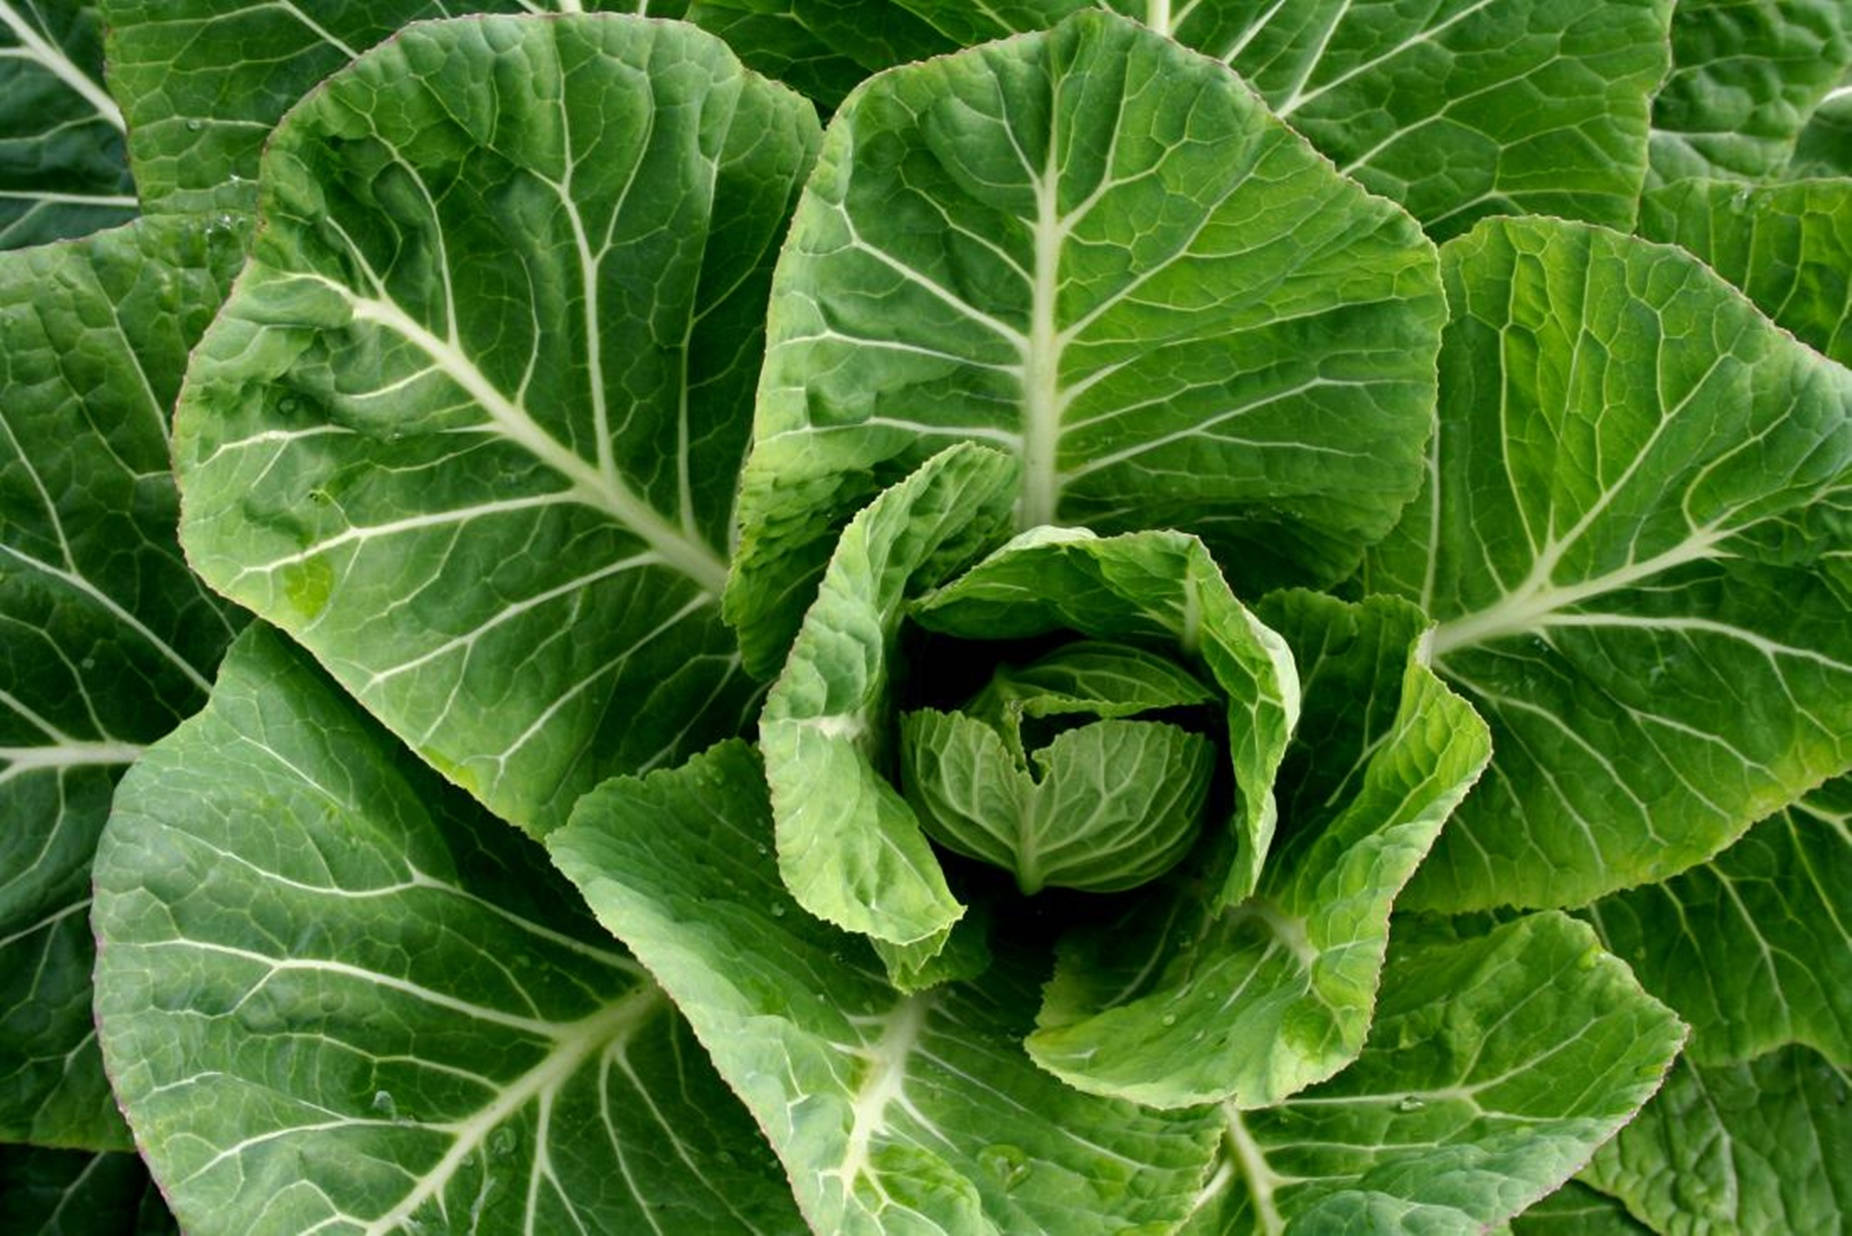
<point x="1636" y="536"/>
<point x="1746" y="75"/>
<point x="203" y="82"/>
<point x="1180" y="1000"/>
<point x="78" y="1193"/>
<point x="1494" y="1069"/>
<point x="1788" y="247"/>
<point x="1753" y="948"/>
<point x="470" y="425"/>
<point x="1577" y="1210"/>
<point x="849" y="847"/>
<point x="337" y="996"/>
<point x="63" y="169"/>
<point x="1098" y="251"/>
<point x="893" y="1114"/>
<point x="1157" y="586"/>
<point x="1738" y="1150"/>
<point x="105" y="637"/>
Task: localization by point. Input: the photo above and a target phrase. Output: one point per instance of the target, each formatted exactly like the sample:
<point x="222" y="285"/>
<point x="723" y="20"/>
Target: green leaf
<point x="1788" y="247"/>
<point x="1494" y="1069"/>
<point x="105" y="637"/>
<point x="203" y="82"/>
<point x="1764" y="1146"/>
<point x="1098" y="251"/>
<point x="1577" y="1210"/>
<point x="822" y="49"/>
<point x="892" y="1113"/>
<point x="77" y="1193"/>
<point x="470" y="425"/>
<point x="849" y="847"/>
<point x="1158" y="586"/>
<point x="336" y="994"/>
<point x="1752" y="948"/>
<point x="1824" y="147"/>
<point x="1634" y="537"/>
<point x="63" y="170"/>
<point x="1094" y="678"/>
<point x="1183" y="1000"/>
<point x="1745" y="77"/>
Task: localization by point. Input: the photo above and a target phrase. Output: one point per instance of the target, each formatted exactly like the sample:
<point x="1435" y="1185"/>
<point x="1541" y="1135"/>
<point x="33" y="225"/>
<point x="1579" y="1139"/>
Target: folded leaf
<point x="63" y="170"/>
<point x="1764" y="1146"/>
<point x="105" y="637"/>
<point x="849" y="847"/>
<point x="1753" y="948"/>
<point x="336" y="994"/>
<point x="469" y="427"/>
<point x="1635" y="538"/>
<point x="892" y="1113"/>
<point x="1100" y="252"/>
<point x="203" y="82"/>
<point x="1494" y="1069"/>
<point x="1160" y="586"/>
<point x="1185" y="999"/>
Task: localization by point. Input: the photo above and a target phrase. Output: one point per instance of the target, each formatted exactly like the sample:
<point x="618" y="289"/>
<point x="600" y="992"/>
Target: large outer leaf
<point x="892" y="1113"/>
<point x="1577" y="1210"/>
<point x="1753" y="948"/>
<point x="76" y="1193"/>
<point x="1746" y="75"/>
<point x="850" y="849"/>
<point x="469" y="425"/>
<point x="1787" y="247"/>
<point x="105" y="636"/>
<point x="1494" y="1069"/>
<point x="1097" y="250"/>
<point x="1635" y="536"/>
<point x="204" y="81"/>
<point x="335" y="995"/>
<point x="1761" y="1147"/>
<point x="1182" y="1000"/>
<point x="63" y="171"/>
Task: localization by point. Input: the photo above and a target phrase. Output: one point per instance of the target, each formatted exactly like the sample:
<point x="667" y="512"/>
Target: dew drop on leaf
<point x="384" y="1105"/>
<point x="503" y="1141"/>
<point x="1007" y="1163"/>
<point x="1409" y="1103"/>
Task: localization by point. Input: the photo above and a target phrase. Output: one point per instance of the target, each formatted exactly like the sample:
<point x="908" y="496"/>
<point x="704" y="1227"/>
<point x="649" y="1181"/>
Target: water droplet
<point x="503" y="1141"/>
<point x="384" y="1105"/>
<point x="195" y="125"/>
<point x="1169" y="1019"/>
<point x="288" y="404"/>
<point x="778" y="911"/>
<point x="1007" y="1163"/>
<point x="1588" y="960"/>
<point x="1409" y="1103"/>
<point x="725" y="1158"/>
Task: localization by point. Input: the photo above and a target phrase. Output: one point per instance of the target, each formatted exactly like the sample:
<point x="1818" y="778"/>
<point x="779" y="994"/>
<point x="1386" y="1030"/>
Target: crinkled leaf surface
<point x="1824" y="147"/>
<point x="335" y="995"/>
<point x="203" y="82"/>
<point x="1788" y="247"/>
<point x="1745" y="78"/>
<point x="892" y="1113"/>
<point x="470" y="424"/>
<point x="1098" y="251"/>
<point x="1577" y="1210"/>
<point x="1753" y="948"/>
<point x="850" y="849"/>
<point x="1182" y="1000"/>
<point x="1495" y="1067"/>
<point x="1158" y="586"/>
<point x="63" y="169"/>
<point x="79" y="1193"/>
<point x="1635" y="536"/>
<point x="1764" y="1146"/>
<point x="105" y="637"/>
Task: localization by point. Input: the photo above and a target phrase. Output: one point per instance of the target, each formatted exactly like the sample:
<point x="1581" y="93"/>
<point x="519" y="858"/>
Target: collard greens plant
<point x="1203" y="616"/>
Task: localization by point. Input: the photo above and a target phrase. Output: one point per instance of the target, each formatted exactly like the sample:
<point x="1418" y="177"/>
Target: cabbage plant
<point x="896" y="617"/>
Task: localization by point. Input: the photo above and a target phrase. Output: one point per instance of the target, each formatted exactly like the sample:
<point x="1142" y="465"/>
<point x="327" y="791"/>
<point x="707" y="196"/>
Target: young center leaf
<point x="470" y="424"/>
<point x="893" y="1113"/>
<point x="1098" y="251"/>
<point x="1495" y="1066"/>
<point x="335" y="994"/>
<point x="1634" y="535"/>
<point x="63" y="170"/>
<point x="106" y="639"/>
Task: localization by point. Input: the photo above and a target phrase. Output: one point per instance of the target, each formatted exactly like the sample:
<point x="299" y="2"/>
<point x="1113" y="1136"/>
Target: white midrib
<point x="1041" y="376"/>
<point x="1529" y="607"/>
<point x="574" y="1045"/>
<point x="596" y="487"/>
<point x="885" y="1082"/>
<point x="68" y="755"/>
<point x="55" y="62"/>
<point x="1262" y="1181"/>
